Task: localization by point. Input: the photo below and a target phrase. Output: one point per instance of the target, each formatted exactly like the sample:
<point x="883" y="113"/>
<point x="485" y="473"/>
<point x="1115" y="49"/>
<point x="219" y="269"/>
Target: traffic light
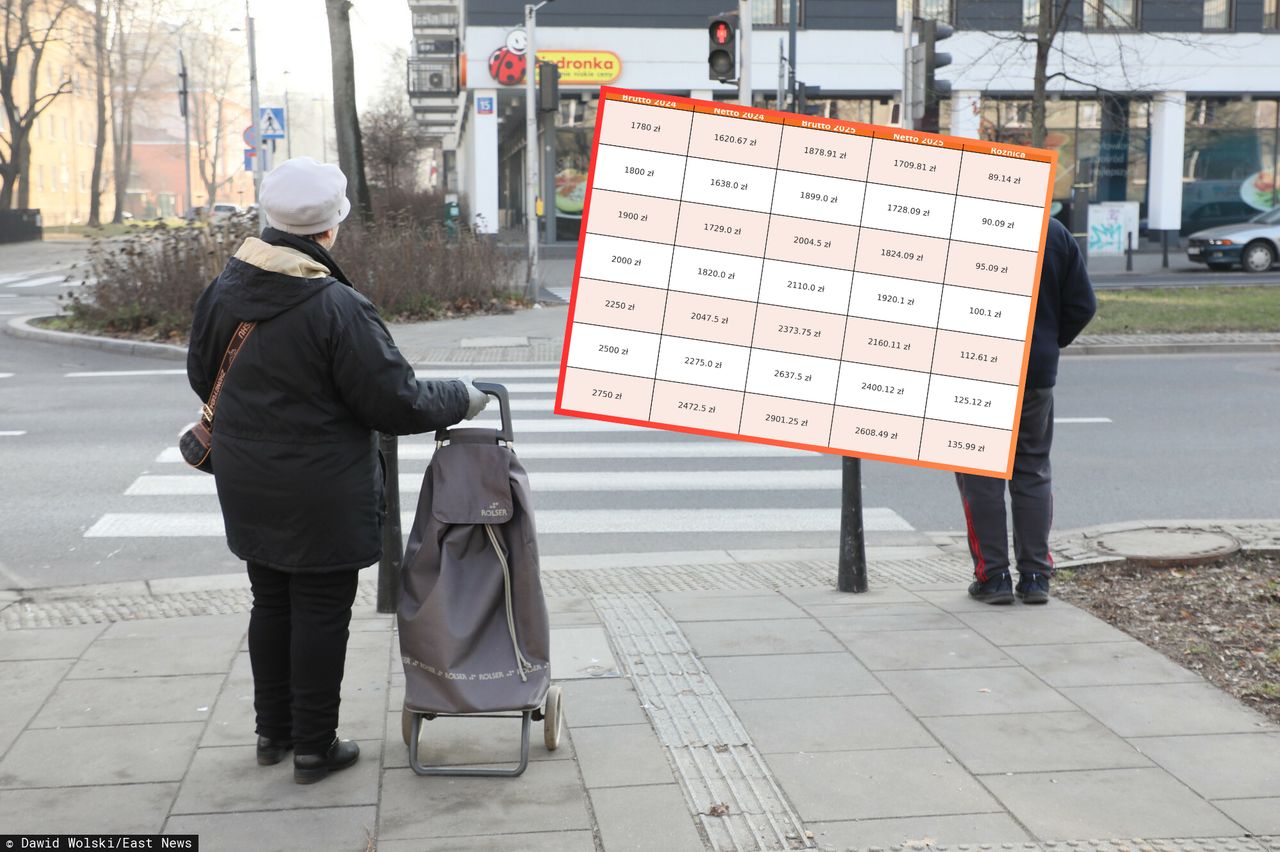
<point x="932" y="32"/>
<point x="805" y="95"/>
<point x="548" y="87"/>
<point x="722" y="50"/>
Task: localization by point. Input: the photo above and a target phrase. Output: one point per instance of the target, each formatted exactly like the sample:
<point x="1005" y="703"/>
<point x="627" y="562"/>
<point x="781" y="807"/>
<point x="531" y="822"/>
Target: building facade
<point x="1173" y="104"/>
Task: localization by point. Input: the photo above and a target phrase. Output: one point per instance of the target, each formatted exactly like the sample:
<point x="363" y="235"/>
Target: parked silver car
<point x="1254" y="245"/>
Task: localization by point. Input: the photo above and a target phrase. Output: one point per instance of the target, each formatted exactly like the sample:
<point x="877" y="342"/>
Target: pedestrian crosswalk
<point x="598" y="487"/>
<point x="39" y="278"/>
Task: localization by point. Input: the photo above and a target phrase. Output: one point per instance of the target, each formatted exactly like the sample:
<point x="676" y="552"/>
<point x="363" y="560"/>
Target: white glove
<point x="478" y="400"/>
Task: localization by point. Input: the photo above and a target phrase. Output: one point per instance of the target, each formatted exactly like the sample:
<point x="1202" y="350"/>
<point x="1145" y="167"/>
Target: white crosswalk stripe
<point x="561" y="293"/>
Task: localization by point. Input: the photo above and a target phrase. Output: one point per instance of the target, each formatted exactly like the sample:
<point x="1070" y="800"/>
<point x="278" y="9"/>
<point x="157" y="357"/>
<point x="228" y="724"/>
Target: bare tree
<point x="30" y="26"/>
<point x="345" y="116"/>
<point x="394" y="143"/>
<point x="100" y="67"/>
<point x="214" y="75"/>
<point x="140" y="36"/>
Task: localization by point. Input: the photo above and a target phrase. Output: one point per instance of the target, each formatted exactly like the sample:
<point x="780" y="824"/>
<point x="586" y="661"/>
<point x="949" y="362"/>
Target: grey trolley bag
<point x="474" y="635"/>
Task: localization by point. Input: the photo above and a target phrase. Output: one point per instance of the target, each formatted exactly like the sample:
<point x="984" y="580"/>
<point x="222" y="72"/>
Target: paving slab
<point x="447" y="741"/>
<point x="1033" y="742"/>
<point x="919" y="832"/>
<point x="1258" y="816"/>
<point x="645" y="819"/>
<point x="48" y="644"/>
<point x="918" y="782"/>
<point x="735" y="638"/>
<point x="581" y="652"/>
<point x="792" y="676"/>
<point x="304" y="830"/>
<point x="685" y="607"/>
<point x="971" y="692"/>
<point x="106" y="809"/>
<point x="129" y="701"/>
<point x="548" y="797"/>
<point x="171" y="628"/>
<point x="1128" y="663"/>
<point x="830" y="724"/>
<point x="27" y="684"/>
<point x="924" y="649"/>
<point x="902" y="617"/>
<point x="1167" y="709"/>
<point x="1045" y="625"/>
<point x="601" y="701"/>
<point x="876" y="595"/>
<point x="227" y="779"/>
<point x="1144" y="803"/>
<point x="621" y="756"/>
<point x="110" y="754"/>
<point x="547" y="841"/>
<point x="157" y="655"/>
<point x="1223" y="766"/>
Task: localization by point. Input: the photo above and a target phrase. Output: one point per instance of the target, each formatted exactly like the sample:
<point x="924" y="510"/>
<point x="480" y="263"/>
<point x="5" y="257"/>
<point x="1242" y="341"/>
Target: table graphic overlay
<point x="809" y="282"/>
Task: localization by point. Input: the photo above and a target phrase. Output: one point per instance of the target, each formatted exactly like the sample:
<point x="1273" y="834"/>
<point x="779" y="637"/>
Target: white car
<point x="1253" y="245"/>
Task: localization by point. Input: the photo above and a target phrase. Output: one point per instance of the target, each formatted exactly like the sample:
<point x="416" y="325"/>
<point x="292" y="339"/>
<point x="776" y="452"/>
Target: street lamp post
<point x="260" y="148"/>
<point x="186" y="128"/>
<point x="531" y="149"/>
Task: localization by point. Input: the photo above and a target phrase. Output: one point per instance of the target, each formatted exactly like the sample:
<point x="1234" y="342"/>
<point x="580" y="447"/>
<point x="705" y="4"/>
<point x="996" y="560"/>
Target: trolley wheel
<point x="553" y="718"/>
<point x="406" y="725"/>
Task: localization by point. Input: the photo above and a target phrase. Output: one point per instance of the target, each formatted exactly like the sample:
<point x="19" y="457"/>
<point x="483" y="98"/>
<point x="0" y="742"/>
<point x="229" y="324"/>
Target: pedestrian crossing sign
<point x="271" y="122"/>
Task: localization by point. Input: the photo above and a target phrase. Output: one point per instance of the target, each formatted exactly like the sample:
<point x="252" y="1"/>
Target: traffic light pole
<point x="531" y="154"/>
<point x="744" y="52"/>
<point x="906" y="120"/>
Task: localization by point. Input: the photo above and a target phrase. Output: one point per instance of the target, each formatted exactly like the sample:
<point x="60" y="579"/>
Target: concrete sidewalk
<point x="737" y="706"/>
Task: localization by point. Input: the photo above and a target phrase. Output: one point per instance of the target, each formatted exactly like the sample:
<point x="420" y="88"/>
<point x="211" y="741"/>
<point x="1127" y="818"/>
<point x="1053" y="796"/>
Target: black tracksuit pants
<point x="298" y="649"/>
<point x="1030" y="493"/>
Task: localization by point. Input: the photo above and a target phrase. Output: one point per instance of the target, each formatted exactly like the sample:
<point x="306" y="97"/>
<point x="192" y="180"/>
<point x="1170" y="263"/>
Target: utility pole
<point x="908" y="19"/>
<point x="792" y="24"/>
<point x="779" y="103"/>
<point x="288" y="121"/>
<point x="744" y="52"/>
<point x="184" y="105"/>
<point x="531" y="148"/>
<point x="260" y="150"/>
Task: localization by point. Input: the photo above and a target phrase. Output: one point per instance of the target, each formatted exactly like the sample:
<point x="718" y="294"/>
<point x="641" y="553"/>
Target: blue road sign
<point x="271" y="120"/>
<point x="249" y="154"/>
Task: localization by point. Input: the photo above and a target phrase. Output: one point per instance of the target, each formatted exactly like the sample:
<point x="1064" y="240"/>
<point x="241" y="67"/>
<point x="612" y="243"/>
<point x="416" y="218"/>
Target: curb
<point x="1083" y="349"/>
<point x="21" y="327"/>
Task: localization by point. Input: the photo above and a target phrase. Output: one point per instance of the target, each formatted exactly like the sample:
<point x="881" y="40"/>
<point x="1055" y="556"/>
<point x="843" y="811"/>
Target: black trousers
<point x="1030" y="494"/>
<point x="298" y="649"/>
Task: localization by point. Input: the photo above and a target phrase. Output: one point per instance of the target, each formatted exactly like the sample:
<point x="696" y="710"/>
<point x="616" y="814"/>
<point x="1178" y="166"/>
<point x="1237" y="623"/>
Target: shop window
<point x="1271" y="15"/>
<point x="775" y="13"/>
<point x="1218" y="14"/>
<point x="1110" y="14"/>
<point x="942" y="11"/>
<point x="1030" y="14"/>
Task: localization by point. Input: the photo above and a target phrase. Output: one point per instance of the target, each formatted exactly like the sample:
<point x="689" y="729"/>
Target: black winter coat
<point x="1065" y="306"/>
<point x="294" y="451"/>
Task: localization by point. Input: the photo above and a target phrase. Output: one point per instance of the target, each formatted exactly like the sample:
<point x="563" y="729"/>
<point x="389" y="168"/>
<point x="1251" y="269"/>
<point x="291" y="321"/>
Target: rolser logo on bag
<point x="494" y="510"/>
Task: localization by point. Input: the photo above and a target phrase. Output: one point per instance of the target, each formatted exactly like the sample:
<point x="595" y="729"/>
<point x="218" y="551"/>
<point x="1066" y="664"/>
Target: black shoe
<point x="271" y="752"/>
<point x="1033" y="588"/>
<point x="310" y="768"/>
<point x="996" y="589"/>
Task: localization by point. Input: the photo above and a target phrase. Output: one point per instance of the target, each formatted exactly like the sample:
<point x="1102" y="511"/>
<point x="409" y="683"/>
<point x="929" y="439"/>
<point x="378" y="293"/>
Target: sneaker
<point x="1033" y="588"/>
<point x="996" y="589"/>
<point x="310" y="768"/>
<point x="271" y="752"/>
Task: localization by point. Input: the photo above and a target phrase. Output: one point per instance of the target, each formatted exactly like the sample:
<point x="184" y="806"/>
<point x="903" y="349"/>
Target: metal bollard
<point x="851" y="573"/>
<point x="1128" y="252"/>
<point x="392" y="542"/>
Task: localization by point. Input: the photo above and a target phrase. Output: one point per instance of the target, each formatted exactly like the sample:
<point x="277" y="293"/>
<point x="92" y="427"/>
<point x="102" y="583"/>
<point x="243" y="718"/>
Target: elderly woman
<point x="295" y="456"/>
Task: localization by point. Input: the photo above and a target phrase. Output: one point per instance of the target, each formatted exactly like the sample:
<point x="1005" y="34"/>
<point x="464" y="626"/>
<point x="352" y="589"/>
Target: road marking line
<point x="12" y="434"/>
<point x="22" y="276"/>
<point x="554" y="522"/>
<point x="39" y="282"/>
<point x="487" y="372"/>
<point x="104" y="374"/>
<point x="1082" y="420"/>
<point x="6" y="375"/>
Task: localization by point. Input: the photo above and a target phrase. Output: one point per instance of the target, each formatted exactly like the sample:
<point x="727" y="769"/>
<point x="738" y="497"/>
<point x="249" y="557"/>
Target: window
<point x="938" y="10"/>
<point x="775" y="13"/>
<point x="40" y="178"/>
<point x="1030" y="14"/>
<point x="1111" y="14"/>
<point x="1218" y="14"/>
<point x="1271" y="15"/>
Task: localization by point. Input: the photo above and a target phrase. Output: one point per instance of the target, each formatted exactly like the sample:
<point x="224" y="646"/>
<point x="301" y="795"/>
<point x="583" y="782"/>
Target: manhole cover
<point x="1165" y="546"/>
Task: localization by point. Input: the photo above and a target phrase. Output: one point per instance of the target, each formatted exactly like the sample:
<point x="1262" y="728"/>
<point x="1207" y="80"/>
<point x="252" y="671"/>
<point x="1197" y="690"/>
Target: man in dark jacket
<point x="295" y="456"/>
<point x="1065" y="306"/>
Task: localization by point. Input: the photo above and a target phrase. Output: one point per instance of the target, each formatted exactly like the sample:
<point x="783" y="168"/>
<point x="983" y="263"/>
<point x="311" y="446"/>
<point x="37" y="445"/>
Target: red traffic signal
<point x="722" y="59"/>
<point x="721" y="32"/>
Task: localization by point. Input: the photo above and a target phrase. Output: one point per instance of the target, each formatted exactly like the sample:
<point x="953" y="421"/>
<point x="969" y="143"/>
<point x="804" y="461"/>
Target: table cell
<point x="786" y="420"/>
<point x="735" y="140"/>
<point x="700" y="362"/>
<point x="802" y="332"/>
<point x="648" y="128"/>
<point x="816" y="243"/>
<point x="721" y="229"/>
<point x="714" y="273"/>
<point x="636" y="217"/>
<point x="984" y="312"/>
<point x="971" y="401"/>
<point x="612" y="350"/>
<point x="882" y="389"/>
<point x="875" y="433"/>
<point x="626" y="261"/>
<point x="888" y="344"/>
<point x="619" y="305"/>
<point x="982" y="451"/>
<point x="895" y="300"/>
<point x="814" y="288"/>
<point x="973" y="356"/>
<point x="697" y="407"/>
<point x="638" y="172"/>
<point x="1004" y="178"/>
<point x="728" y="185"/>
<point x="909" y="211"/>
<point x="820" y="197"/>
<point x="901" y="255"/>
<point x="992" y="268"/>
<point x="824" y="152"/>
<point x="998" y="223"/>
<point x="915" y="166"/>
<point x="789" y="376"/>
<point x="606" y="393"/>
<point x="708" y="318"/>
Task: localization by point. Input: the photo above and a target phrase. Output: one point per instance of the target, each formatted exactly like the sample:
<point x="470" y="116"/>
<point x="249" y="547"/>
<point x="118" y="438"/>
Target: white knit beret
<point x="302" y="196"/>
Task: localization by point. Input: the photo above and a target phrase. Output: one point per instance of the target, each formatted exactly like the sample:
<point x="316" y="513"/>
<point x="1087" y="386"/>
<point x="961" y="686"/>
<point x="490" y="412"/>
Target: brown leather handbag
<point x="196" y="443"/>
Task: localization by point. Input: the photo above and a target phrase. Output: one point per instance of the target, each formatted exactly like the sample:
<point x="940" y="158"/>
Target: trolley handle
<point x="504" y="404"/>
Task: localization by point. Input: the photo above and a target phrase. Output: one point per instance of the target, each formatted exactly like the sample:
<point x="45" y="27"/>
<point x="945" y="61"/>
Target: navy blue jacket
<point x="1065" y="307"/>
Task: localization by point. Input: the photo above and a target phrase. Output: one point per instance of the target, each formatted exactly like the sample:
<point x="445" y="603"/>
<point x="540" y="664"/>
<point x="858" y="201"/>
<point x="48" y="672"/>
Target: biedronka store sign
<point x="507" y="64"/>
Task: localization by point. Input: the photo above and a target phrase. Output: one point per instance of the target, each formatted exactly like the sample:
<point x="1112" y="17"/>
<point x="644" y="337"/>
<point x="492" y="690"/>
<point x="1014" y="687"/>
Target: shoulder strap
<point x="233" y="349"/>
